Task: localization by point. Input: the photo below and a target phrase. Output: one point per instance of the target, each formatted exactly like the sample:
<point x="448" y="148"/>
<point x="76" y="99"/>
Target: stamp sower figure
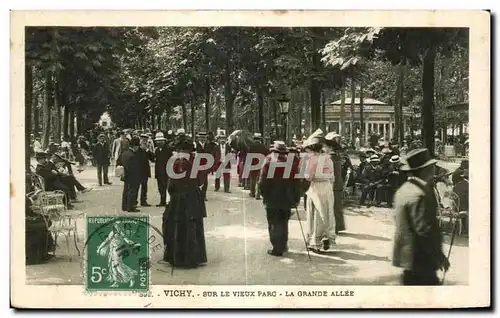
<point x="417" y="241"/>
<point x="112" y="248"/>
<point x="163" y="152"/>
<point x="183" y="231"/>
<point x="131" y="176"/>
<point x="281" y="193"/>
<point x="320" y="199"/>
<point x="101" y="155"/>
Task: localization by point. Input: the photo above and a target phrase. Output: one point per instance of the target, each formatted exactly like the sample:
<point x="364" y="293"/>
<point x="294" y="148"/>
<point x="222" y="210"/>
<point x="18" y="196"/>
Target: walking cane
<point x="453" y="234"/>
<point x="302" y="230"/>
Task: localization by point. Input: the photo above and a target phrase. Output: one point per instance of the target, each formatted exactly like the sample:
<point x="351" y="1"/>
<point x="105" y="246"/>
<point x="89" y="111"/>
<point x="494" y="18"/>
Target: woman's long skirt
<point x="320" y="214"/>
<point x="184" y="239"/>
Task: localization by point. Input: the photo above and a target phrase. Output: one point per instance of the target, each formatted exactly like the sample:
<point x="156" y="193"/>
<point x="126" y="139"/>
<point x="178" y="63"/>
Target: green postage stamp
<point x="117" y="254"/>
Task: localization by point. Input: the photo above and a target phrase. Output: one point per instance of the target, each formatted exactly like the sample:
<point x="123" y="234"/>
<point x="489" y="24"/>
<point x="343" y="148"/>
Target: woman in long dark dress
<point x="183" y="232"/>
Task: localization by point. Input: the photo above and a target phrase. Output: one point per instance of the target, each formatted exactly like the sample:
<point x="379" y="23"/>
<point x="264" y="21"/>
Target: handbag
<point x="119" y="171"/>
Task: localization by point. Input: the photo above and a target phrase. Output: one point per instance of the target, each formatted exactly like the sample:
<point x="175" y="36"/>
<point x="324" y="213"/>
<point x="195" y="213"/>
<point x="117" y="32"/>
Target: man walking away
<point x="131" y="176"/>
<point x="163" y="152"/>
<point x="101" y="156"/>
<point x="281" y="193"/>
<point x="417" y="241"/>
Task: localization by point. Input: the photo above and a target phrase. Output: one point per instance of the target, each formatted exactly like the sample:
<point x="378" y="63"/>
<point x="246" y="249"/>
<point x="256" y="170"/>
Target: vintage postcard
<point x="250" y="159"/>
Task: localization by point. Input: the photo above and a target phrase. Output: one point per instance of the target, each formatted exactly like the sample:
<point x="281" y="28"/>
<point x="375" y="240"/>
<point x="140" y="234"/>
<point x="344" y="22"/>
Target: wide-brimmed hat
<point x="201" y="134"/>
<point x="279" y="146"/>
<point x="144" y="136"/>
<point x="316" y="138"/>
<point x="395" y="159"/>
<point x="418" y="159"/>
<point x="160" y="137"/>
<point x="181" y="131"/>
<point x="374" y="158"/>
<point x="257" y="136"/>
<point x="331" y="135"/>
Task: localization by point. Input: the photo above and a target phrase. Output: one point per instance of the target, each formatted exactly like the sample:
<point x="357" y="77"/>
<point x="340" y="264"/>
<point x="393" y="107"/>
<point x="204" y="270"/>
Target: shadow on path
<point x="367" y="237"/>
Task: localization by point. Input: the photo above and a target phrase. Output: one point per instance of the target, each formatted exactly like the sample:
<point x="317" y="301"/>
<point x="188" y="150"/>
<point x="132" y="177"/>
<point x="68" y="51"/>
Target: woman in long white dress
<point x="320" y="198"/>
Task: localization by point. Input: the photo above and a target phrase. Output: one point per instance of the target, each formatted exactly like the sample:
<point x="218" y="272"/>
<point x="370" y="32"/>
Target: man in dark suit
<point x="101" y="156"/>
<point x="221" y="151"/>
<point x="457" y="175"/>
<point x="205" y="144"/>
<point x="131" y="176"/>
<point x="163" y="153"/>
<point x="145" y="156"/>
<point x="281" y="193"/>
<point x="52" y="177"/>
<point x="418" y="242"/>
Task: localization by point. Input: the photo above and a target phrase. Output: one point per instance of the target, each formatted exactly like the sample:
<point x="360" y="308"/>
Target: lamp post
<point x="284" y="103"/>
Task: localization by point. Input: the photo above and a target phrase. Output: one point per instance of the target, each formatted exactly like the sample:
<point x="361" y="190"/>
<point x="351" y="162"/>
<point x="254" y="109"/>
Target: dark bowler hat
<point x="185" y="143"/>
<point x="418" y="159"/>
<point x="134" y="141"/>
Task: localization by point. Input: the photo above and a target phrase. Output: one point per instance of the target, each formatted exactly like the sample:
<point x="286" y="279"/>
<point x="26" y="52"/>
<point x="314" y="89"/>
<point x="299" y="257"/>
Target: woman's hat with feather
<point x="317" y="137"/>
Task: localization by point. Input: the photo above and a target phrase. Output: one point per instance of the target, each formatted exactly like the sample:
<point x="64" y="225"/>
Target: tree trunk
<point x="158" y="120"/>
<point x="300" y="112"/>
<point x="276" y="121"/>
<point x="342" y="112"/>
<point x="323" y="110"/>
<point x="207" y="104"/>
<point x="353" y="102"/>
<point x="47" y="106"/>
<point x="78" y="122"/>
<point x="65" y="124"/>
<point x="402" y="69"/>
<point x="184" y="116"/>
<point x="36" y="117"/>
<point x="428" y="102"/>
<point x="28" y="104"/>
<point x="228" y="98"/>
<point x="57" y="106"/>
<point x="260" y="103"/>
<point x="193" y="111"/>
<point x="361" y="115"/>
<point x="71" y="123"/>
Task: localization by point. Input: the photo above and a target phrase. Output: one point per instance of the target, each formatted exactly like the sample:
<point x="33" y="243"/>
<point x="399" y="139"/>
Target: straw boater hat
<point x="159" y="137"/>
<point x="395" y="159"/>
<point x="144" y="136"/>
<point x="279" y="146"/>
<point x="374" y="158"/>
<point x="386" y="150"/>
<point x="316" y="138"/>
<point x="257" y="136"/>
<point x="418" y="159"/>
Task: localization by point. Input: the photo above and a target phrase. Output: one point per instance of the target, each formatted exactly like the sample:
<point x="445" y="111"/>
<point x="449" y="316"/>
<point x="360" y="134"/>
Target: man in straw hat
<point x="417" y="240"/>
<point x="162" y="154"/>
<point x="221" y="151"/>
<point x="281" y="193"/>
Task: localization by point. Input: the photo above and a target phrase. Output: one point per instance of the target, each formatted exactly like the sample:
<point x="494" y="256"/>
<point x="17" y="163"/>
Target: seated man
<point x="371" y="178"/>
<point x="67" y="177"/>
<point x="462" y="191"/>
<point x="52" y="179"/>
